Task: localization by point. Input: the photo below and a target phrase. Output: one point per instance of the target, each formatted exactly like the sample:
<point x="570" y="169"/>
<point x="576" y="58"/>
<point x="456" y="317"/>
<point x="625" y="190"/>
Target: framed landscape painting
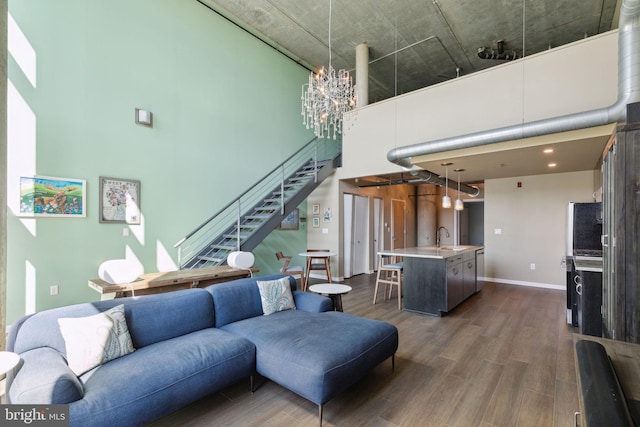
<point x="45" y="196"/>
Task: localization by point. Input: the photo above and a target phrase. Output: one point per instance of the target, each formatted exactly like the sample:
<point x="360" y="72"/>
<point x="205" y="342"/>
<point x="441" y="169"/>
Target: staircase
<point x="247" y="220"/>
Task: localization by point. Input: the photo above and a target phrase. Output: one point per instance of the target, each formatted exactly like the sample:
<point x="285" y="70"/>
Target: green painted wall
<point x="226" y="111"/>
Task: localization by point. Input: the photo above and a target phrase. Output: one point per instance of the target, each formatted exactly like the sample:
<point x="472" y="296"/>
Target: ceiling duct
<point x="628" y="93"/>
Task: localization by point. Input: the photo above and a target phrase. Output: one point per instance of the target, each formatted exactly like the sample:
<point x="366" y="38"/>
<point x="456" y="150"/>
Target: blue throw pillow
<point x="276" y="295"/>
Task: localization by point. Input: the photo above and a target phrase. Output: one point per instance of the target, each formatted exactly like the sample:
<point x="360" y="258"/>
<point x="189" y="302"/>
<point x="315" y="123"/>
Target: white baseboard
<point x="523" y="283"/>
<point x="324" y="276"/>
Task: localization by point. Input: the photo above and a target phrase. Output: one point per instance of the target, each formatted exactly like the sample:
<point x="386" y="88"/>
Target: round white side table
<point x="8" y="361"/>
<point x="333" y="291"/>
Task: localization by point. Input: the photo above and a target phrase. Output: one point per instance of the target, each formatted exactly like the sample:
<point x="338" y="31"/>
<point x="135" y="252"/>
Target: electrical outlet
<point x="53" y="290"/>
<point x="532" y="266"/>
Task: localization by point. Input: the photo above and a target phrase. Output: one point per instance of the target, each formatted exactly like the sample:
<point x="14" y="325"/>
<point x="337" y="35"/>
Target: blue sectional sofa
<point x="191" y="343"/>
<point x="316" y="355"/>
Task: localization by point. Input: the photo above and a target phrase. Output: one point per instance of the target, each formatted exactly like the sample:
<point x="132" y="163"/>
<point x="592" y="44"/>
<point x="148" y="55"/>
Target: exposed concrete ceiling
<point x="435" y="40"/>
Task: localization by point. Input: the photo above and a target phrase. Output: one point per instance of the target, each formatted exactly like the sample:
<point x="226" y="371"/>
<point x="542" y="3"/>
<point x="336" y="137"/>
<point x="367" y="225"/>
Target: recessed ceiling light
<point x="552" y="165"/>
<point x="547" y="150"/>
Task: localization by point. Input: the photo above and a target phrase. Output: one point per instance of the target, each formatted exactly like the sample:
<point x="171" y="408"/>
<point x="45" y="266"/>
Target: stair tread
<point x="301" y="180"/>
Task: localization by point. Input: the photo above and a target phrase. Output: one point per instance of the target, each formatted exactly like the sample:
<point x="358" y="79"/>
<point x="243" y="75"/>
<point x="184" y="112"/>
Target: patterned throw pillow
<point x="93" y="340"/>
<point x="276" y="296"/>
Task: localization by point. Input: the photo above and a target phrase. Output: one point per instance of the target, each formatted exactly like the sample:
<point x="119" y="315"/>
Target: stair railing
<point x="316" y="150"/>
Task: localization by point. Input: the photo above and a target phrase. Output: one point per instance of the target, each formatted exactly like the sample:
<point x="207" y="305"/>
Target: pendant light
<point x="459" y="205"/>
<point x="446" y="200"/>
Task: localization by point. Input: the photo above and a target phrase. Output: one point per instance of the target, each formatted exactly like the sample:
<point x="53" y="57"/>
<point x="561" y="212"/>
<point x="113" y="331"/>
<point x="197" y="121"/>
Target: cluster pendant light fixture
<point x="326" y="98"/>
<point x="459" y="205"/>
<point x="446" y="200"/>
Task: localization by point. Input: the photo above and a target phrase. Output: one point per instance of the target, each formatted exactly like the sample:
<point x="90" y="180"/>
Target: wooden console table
<point x="155" y="283"/>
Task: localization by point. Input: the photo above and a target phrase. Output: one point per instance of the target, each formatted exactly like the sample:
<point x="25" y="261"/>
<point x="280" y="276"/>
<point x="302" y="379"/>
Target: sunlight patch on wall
<point x="21" y="50"/>
<point x="29" y="288"/>
<point x="131" y="257"/>
<point x="21" y="150"/>
<point x="138" y="230"/>
<point x="164" y="262"/>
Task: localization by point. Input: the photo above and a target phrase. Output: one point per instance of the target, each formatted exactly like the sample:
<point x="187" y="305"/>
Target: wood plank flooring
<point x="502" y="358"/>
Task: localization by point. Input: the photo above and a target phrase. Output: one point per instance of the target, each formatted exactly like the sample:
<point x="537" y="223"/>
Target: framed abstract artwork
<point x="46" y="196"/>
<point x="119" y="201"/>
<point x="291" y="222"/>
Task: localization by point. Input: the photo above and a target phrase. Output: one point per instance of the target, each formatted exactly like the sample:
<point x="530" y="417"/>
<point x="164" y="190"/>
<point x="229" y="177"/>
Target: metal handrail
<point x="235" y="210"/>
<point x="241" y="195"/>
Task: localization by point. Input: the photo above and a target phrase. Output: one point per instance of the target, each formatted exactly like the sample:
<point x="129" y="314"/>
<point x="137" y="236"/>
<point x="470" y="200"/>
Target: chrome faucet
<point x="438" y="234"/>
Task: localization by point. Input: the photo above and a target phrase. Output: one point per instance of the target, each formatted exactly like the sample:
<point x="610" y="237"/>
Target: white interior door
<point x="347" y="233"/>
<point x="398" y="223"/>
<point x="360" y="253"/>
<point x="378" y="230"/>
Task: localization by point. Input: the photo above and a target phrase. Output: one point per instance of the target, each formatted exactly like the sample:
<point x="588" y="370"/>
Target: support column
<point x="427" y="213"/>
<point x="3" y="173"/>
<point x="362" y="74"/>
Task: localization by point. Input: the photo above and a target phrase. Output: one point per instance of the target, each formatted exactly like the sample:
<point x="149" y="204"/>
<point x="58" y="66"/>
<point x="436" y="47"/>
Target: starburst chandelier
<point x="326" y="97"/>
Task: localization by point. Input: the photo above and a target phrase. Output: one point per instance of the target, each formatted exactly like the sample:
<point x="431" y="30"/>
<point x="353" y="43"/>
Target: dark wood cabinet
<point x="589" y="303"/>
<point x="455" y="282"/>
<point x="621" y="231"/>
<point x="436" y="285"/>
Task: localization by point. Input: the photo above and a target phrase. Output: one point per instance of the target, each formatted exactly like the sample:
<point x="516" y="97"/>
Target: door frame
<point x="394" y="221"/>
<point x="378" y="229"/>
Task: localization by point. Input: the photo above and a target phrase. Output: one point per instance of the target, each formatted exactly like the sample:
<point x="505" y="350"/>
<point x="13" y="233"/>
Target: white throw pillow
<point x="276" y="295"/>
<point x="94" y="340"/>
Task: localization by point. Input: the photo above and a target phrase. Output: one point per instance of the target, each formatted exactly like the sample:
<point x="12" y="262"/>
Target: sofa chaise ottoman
<point x="314" y="354"/>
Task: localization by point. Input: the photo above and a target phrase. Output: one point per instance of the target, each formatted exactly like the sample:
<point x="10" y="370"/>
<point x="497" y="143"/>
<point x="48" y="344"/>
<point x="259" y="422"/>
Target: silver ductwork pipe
<point x="628" y="92"/>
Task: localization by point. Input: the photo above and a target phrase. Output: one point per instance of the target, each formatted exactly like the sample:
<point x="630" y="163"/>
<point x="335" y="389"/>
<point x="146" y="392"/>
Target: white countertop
<point x="446" y="251"/>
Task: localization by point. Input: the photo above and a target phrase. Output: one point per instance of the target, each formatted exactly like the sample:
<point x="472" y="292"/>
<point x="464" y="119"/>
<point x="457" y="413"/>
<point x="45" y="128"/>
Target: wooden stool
<point x="317" y="262"/>
<point x="390" y="275"/>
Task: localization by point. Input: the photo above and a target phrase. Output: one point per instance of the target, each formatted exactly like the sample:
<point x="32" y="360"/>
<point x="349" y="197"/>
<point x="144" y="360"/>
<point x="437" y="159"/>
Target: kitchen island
<point x="436" y="280"/>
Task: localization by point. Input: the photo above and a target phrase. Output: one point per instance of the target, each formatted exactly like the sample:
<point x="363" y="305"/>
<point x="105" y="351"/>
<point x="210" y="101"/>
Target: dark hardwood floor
<point x="502" y="358"/>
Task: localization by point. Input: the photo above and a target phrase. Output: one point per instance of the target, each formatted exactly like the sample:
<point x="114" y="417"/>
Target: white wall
<point x="327" y="235"/>
<point x="573" y="78"/>
<point x="532" y="219"/>
<point x="578" y="77"/>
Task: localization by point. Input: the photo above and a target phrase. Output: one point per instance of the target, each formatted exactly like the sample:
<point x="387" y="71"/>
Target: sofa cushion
<point x="183" y="312"/>
<point x="317" y="355"/>
<point x="56" y="383"/>
<point x="239" y="299"/>
<point x="275" y="295"/>
<point x="160" y="378"/>
<point x="93" y="340"/>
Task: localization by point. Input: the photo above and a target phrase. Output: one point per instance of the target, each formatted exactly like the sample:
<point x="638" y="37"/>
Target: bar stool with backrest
<point x="293" y="270"/>
<point x="321" y="263"/>
<point x="389" y="275"/>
